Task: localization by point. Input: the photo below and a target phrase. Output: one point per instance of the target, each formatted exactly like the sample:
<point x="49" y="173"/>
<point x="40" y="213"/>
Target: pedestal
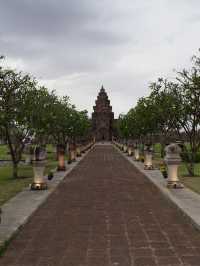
<point x="137" y="154"/>
<point x="73" y="156"/>
<point x="125" y="148"/>
<point x="130" y="152"/>
<point x="61" y="163"/>
<point x="148" y="164"/>
<point x="78" y="152"/>
<point x="39" y="182"/>
<point x="173" y="180"/>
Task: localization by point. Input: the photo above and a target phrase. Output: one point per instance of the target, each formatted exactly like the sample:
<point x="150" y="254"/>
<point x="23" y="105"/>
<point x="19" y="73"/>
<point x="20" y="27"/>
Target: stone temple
<point x="102" y="118"/>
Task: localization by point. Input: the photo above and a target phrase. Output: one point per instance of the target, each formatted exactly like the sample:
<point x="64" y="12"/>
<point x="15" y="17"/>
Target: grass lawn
<point x="9" y="187"/>
<point x="190" y="182"/>
<point x="4" y="152"/>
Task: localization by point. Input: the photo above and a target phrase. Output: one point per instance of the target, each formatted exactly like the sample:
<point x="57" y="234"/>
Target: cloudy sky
<point x="75" y="46"/>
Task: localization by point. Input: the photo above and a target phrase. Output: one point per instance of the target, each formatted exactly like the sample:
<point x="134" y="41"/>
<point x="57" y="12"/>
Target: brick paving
<point x="105" y="213"/>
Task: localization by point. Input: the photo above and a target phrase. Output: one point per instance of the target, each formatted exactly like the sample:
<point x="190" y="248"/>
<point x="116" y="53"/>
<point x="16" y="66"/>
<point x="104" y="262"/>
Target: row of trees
<point x="171" y="111"/>
<point x="29" y="112"/>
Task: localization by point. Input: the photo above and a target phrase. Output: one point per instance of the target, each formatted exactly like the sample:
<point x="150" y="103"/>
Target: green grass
<point x="184" y="172"/>
<point x="4" y="152"/>
<point x="157" y="148"/>
<point x="192" y="182"/>
<point x="9" y="186"/>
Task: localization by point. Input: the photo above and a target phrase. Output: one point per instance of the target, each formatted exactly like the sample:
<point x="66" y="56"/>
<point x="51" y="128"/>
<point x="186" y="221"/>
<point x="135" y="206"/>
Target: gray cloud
<point x="75" y="46"/>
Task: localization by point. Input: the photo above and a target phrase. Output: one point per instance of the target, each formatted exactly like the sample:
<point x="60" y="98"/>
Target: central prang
<point x="102" y="118"/>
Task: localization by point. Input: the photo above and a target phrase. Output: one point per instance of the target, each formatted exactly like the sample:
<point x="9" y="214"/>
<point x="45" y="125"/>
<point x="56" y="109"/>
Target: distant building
<point x="102" y="117"/>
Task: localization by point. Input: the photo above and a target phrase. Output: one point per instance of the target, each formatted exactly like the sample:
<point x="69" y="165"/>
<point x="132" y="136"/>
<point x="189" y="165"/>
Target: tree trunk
<point x="190" y="164"/>
<point x="15" y="170"/>
<point x="162" y="150"/>
<point x="190" y="168"/>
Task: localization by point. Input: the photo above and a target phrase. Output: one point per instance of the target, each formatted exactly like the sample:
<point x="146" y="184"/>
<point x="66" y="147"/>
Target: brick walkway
<point x="105" y="213"/>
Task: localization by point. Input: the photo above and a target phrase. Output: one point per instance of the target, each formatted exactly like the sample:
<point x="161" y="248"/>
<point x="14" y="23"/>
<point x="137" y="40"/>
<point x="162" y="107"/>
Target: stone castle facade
<point x="102" y="118"/>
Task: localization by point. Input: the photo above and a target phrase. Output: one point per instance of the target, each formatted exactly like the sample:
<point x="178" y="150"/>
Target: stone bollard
<point x="39" y="162"/>
<point x="125" y="148"/>
<point x="78" y="152"/>
<point x="73" y="155"/>
<point x="136" y="154"/>
<point x="61" y="157"/>
<point x="148" y="155"/>
<point x="173" y="160"/>
<point x="130" y="151"/>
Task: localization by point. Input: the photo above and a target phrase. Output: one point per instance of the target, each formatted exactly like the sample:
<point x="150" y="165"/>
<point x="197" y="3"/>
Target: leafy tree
<point x="123" y="126"/>
<point x="165" y="101"/>
<point x="188" y="91"/>
<point x="15" y="111"/>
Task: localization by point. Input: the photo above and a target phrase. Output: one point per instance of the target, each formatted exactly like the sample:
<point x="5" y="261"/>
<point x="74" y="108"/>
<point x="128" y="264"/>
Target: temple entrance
<point x="103" y="134"/>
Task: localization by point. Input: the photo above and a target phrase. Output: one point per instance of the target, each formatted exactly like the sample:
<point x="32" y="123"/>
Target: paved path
<point x="105" y="213"/>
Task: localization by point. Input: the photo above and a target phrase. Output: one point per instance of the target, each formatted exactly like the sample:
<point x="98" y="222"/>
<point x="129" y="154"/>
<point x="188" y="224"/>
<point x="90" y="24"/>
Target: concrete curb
<point x="187" y="201"/>
<point x="20" y="208"/>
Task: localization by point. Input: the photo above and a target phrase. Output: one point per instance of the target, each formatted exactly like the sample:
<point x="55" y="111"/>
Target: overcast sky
<point x="75" y="46"/>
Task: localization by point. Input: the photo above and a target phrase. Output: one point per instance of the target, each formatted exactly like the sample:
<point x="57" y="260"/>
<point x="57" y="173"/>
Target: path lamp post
<point x="78" y="151"/>
<point x="39" y="162"/>
<point x="71" y="154"/>
<point x="121" y="146"/>
<point x="173" y="160"/>
<point x="148" y="155"/>
<point x="125" y="148"/>
<point x="61" y="157"/>
<point x="130" y="151"/>
<point x="136" y="153"/>
<point x="83" y="148"/>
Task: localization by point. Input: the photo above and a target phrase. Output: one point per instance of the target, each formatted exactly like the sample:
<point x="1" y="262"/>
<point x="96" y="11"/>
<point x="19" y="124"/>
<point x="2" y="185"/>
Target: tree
<point x="15" y="111"/>
<point x="165" y="101"/>
<point x="188" y="121"/>
<point x="123" y="126"/>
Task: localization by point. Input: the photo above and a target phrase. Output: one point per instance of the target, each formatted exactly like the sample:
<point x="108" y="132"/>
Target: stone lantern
<point x="125" y="148"/>
<point x="173" y="160"/>
<point x="136" y="153"/>
<point x="78" y="152"/>
<point x="148" y="155"/>
<point x="71" y="153"/>
<point x="130" y="151"/>
<point x="39" y="162"/>
<point x="61" y="157"/>
<point x="121" y="147"/>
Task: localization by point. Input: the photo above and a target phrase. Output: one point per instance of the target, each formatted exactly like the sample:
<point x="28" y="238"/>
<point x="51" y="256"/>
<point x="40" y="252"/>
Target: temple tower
<point x="102" y="117"/>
